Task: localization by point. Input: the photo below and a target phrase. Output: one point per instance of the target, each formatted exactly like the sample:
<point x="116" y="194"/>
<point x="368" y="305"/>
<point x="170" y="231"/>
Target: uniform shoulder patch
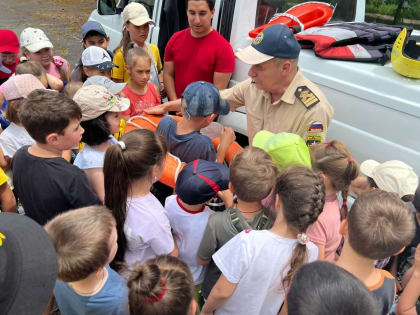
<point x="306" y="96"/>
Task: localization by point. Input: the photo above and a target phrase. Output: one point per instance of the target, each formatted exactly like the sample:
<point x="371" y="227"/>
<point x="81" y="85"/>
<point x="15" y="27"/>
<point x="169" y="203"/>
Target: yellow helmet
<point x="405" y="55"/>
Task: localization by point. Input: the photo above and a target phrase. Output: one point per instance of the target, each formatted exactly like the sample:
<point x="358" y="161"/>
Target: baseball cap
<point x="9" y="42"/>
<point x="284" y="148"/>
<point x="28" y="265"/>
<point x="97" y="57"/>
<point x="92" y="26"/>
<point x="110" y="85"/>
<point x="275" y="41"/>
<point x="21" y="85"/>
<point x="392" y="176"/>
<point x="136" y="14"/>
<point x="203" y="99"/>
<point x="34" y="39"/>
<point x="200" y="180"/>
<point x="95" y="100"/>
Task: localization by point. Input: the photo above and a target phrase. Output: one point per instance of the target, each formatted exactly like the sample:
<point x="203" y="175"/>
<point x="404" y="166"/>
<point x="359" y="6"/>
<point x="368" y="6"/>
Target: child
<point x="9" y="49"/>
<point x="111" y="86"/>
<point x="37" y="47"/>
<point x="200" y="104"/>
<point x="34" y="68"/>
<point x="141" y="92"/>
<point x="130" y="169"/>
<point x="252" y="177"/>
<point x="96" y="61"/>
<point x="163" y="285"/>
<point x="258" y="266"/>
<point x="379" y="225"/>
<point x="45" y="183"/>
<point x="321" y="288"/>
<point x="135" y="32"/>
<point x="93" y="34"/>
<point x="100" y="119"/>
<point x="86" y="242"/>
<point x="198" y="182"/>
<point x="338" y="169"/>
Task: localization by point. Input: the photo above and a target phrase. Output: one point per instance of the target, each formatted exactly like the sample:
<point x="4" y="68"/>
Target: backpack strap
<point x="240" y="226"/>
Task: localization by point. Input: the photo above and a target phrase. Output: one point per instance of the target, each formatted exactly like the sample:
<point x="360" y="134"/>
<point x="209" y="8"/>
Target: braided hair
<point x="302" y="193"/>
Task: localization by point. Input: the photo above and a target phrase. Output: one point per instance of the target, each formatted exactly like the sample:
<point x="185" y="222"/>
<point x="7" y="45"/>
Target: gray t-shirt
<point x="219" y="231"/>
<point x="188" y="147"/>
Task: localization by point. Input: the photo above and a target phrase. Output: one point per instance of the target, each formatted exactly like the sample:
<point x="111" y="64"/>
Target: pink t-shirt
<point x="139" y="102"/>
<point x="326" y="230"/>
<point x="56" y="64"/>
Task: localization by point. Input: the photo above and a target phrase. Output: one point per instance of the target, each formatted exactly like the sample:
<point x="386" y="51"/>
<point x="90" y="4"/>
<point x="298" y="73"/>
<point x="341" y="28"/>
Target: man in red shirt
<point x="197" y="53"/>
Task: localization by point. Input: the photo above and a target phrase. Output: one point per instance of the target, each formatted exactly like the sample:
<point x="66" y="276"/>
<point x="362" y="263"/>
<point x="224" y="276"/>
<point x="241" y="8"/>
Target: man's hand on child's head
<point x="227" y="135"/>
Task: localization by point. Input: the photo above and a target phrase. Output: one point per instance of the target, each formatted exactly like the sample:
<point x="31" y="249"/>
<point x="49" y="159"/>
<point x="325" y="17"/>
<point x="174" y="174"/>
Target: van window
<point x="345" y="10"/>
<point x="109" y="7"/>
<point x="394" y="12"/>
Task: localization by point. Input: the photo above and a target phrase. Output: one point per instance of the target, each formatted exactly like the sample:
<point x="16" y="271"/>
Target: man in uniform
<point x="277" y="97"/>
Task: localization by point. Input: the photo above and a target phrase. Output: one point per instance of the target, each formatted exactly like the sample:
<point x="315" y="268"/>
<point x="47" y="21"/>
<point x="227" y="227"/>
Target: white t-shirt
<point x="13" y="138"/>
<point x="146" y="229"/>
<point x="188" y="228"/>
<point x="257" y="261"/>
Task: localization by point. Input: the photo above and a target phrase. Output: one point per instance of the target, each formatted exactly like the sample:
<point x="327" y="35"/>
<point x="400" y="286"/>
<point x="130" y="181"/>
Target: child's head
<point x="392" y="176"/>
<point x="93" y="34"/>
<point x="163" y="285"/>
<point x="338" y="167"/>
<point x="322" y="288"/>
<point x="201" y="180"/>
<point x="96" y="61"/>
<point x="379" y="225"/>
<point x="52" y="119"/>
<point x="138" y="157"/>
<point x="36" y="46"/>
<point x="300" y="197"/>
<point x="285" y="149"/>
<point x="71" y="88"/>
<point x="252" y="174"/>
<point x="85" y="241"/>
<point x="201" y="101"/>
<point x="138" y="63"/>
<point x="100" y="113"/>
<point x="33" y="68"/>
<point x="9" y="47"/>
<point x="15" y="90"/>
<point x="136" y="22"/>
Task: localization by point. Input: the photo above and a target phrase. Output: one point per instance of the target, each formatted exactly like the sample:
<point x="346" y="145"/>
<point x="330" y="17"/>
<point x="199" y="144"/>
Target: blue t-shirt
<point x="187" y="147"/>
<point x="112" y="299"/>
<point x="91" y="158"/>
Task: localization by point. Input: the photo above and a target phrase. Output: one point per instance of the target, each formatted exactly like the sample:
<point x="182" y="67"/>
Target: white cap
<point x="97" y="57"/>
<point x="136" y="14"/>
<point x="392" y="176"/>
<point x="34" y="39"/>
<point x="114" y="88"/>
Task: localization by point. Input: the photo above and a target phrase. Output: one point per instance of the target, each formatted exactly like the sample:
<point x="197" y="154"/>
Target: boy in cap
<point x="93" y="34"/>
<point x="9" y="49"/>
<point x="198" y="182"/>
<point x="252" y="177"/>
<point x="96" y="61"/>
<point x="200" y="105"/>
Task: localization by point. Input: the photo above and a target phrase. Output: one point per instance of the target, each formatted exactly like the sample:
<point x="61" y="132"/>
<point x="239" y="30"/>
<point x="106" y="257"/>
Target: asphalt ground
<point x="61" y="20"/>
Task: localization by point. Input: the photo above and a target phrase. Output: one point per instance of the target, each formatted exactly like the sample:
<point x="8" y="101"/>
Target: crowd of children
<point x="305" y="230"/>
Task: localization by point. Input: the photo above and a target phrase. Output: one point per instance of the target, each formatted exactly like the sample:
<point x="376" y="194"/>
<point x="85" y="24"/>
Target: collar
<point x="289" y="95"/>
<point x="186" y="210"/>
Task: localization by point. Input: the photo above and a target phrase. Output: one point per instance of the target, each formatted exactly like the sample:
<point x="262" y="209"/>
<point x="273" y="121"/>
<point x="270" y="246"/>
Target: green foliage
<point x="389" y="7"/>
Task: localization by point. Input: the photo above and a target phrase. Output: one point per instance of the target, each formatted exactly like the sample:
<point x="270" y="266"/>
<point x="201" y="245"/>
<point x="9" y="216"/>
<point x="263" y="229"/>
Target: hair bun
<point x="144" y="280"/>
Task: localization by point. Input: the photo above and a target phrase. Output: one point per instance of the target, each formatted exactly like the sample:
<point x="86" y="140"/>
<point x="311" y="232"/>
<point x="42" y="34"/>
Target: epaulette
<point x="306" y="96"/>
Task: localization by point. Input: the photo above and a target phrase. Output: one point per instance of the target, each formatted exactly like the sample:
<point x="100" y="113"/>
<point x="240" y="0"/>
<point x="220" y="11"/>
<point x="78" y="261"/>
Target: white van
<point x="377" y="111"/>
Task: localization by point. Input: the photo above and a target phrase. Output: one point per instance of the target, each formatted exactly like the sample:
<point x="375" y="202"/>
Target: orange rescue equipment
<point x="173" y="165"/>
<point x="300" y="17"/>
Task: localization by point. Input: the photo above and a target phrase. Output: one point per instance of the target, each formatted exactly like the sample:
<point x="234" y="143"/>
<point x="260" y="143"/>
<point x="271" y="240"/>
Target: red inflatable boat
<point x="300" y="17"/>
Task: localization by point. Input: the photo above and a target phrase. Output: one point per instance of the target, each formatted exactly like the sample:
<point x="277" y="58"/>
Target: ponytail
<point x="126" y="43"/>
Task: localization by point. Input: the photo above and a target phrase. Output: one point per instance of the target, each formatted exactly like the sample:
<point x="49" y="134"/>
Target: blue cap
<point x="201" y="180"/>
<point x="92" y="26"/>
<point x="203" y="99"/>
<point x="275" y="41"/>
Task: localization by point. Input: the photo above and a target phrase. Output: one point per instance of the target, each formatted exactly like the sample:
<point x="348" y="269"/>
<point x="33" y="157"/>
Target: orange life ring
<point x="173" y="165"/>
<point x="300" y="17"/>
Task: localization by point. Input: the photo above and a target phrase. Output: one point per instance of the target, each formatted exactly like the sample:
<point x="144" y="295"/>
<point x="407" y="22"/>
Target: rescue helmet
<point x="405" y="55"/>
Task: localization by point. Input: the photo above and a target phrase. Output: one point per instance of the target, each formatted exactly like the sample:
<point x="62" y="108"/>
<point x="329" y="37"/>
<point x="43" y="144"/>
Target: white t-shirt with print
<point x="13" y="138"/>
<point x="188" y="228"/>
<point x="146" y="229"/>
<point x="257" y="261"/>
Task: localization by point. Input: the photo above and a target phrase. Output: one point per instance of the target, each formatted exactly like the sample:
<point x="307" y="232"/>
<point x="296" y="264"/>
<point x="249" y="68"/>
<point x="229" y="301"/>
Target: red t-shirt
<point x="197" y="59"/>
<point x="12" y="68"/>
<point x="138" y="102"/>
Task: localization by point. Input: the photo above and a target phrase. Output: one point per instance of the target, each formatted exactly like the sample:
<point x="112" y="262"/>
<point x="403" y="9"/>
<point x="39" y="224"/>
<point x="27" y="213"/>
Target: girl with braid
<point x="338" y="168"/>
<point x="258" y="266"/>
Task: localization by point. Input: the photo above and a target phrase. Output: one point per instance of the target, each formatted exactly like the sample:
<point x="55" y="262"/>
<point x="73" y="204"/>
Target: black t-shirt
<point x="49" y="186"/>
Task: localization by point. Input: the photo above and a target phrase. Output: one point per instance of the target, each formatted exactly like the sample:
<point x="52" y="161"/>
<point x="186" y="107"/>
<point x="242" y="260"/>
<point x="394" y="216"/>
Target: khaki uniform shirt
<point x="303" y="109"/>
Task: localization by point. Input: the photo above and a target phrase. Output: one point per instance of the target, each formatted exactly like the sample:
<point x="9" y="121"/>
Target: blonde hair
<point x="30" y="67"/>
<point x="252" y="174"/>
<point x="71" y="88"/>
<point x="82" y="241"/>
<point x="133" y="54"/>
